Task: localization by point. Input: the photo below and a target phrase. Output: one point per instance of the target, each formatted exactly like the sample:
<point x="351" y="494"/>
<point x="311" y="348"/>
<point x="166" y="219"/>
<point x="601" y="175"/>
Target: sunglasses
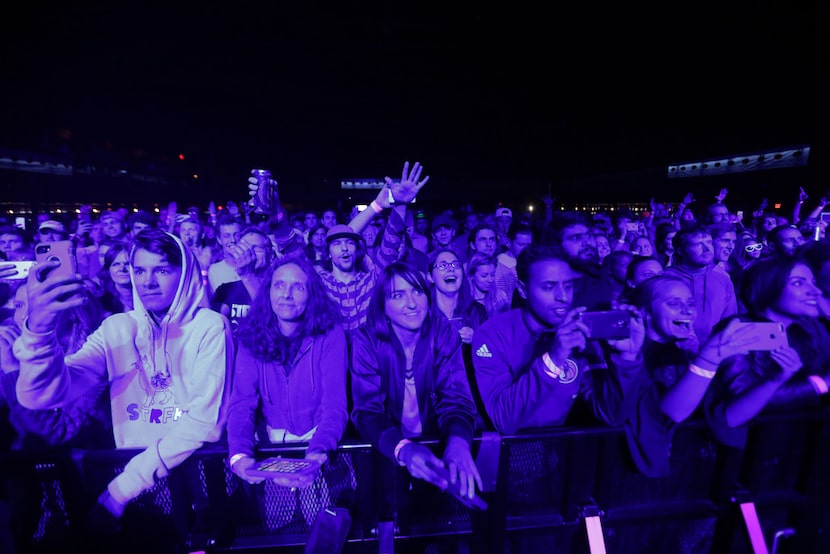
<point x="753" y="247"/>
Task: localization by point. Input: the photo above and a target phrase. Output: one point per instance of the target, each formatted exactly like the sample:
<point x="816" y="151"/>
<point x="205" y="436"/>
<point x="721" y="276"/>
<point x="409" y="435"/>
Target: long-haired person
<point x="781" y="290"/>
<point x="290" y="371"/>
<point x="677" y="370"/>
<point x="291" y="364"/>
<point x="408" y="380"/>
<point x="115" y="280"/>
<point x="451" y="294"/>
<point x="481" y="273"/>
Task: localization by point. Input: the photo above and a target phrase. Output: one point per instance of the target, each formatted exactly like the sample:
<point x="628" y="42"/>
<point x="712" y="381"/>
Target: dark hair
<point x="465" y="297"/>
<point x="471" y="238"/>
<point x="519" y="228"/>
<point x="720" y="229"/>
<point x="684" y="237"/>
<point x="259" y="329"/>
<point x="636" y="262"/>
<point x="660" y="233"/>
<point x="775" y="234"/>
<point x="764" y="280"/>
<point x="111" y="301"/>
<point x="227" y="219"/>
<point x="9" y="230"/>
<point x="141" y="216"/>
<point x="158" y="242"/>
<point x="376" y="320"/>
<point x="561" y="221"/>
<point x="815" y="255"/>
<point x="536" y="253"/>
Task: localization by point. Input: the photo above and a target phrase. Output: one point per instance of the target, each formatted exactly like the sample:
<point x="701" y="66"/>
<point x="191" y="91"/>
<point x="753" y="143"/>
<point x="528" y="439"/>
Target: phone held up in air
<point x="22" y="270"/>
<point x="763" y="335"/>
<point x="62" y="251"/>
<point x="610" y="324"/>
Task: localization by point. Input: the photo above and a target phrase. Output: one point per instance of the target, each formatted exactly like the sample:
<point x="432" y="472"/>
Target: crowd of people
<point x="258" y="326"/>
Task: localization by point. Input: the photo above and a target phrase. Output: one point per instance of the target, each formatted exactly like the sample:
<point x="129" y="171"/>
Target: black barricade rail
<point x="548" y="484"/>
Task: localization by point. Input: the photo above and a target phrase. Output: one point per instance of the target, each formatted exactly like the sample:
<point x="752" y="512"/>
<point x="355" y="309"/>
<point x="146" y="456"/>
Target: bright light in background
<point x="156" y="210"/>
<point x="195" y="175"/>
<point x="530" y="208"/>
<point x="181" y="157"/>
<point x="777" y="205"/>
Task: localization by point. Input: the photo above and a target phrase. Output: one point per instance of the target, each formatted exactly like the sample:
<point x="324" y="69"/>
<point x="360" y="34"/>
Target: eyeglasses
<point x="443" y="266"/>
<point x="753" y="247"/>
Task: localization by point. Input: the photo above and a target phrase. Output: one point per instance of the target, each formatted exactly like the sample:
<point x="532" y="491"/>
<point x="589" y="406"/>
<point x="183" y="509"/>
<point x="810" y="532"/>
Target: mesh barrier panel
<point x="544" y="482"/>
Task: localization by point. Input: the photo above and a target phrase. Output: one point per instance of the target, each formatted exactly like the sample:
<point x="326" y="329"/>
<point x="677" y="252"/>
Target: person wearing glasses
<point x="451" y="294"/>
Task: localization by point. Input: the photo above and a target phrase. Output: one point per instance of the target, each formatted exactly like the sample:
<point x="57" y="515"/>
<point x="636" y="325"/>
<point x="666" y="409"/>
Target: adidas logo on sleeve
<point x="484" y="352"/>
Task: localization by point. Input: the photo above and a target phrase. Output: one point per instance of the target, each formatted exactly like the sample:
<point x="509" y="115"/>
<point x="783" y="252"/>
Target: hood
<point x="151" y="338"/>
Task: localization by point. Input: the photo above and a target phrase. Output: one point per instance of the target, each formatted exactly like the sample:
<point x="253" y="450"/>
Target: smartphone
<point x="763" y="335"/>
<point x="22" y="270"/>
<point x="740" y="214"/>
<point x="20" y="222"/>
<point x="62" y="251"/>
<point x="632" y="227"/>
<point x="274" y="467"/>
<point x="611" y="324"/>
<point x="825" y="216"/>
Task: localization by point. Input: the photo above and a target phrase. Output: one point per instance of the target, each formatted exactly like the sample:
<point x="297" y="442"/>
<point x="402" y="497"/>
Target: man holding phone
<point x="166" y="361"/>
<point x="533" y="364"/>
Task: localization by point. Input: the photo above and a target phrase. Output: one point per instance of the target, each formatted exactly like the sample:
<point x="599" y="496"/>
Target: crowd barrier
<point x="553" y="490"/>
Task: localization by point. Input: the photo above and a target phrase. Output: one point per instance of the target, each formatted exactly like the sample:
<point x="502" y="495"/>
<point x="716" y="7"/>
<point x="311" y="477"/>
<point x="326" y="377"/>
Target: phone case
<point x="765" y="335"/>
<point x="62" y="251"/>
<point x="274" y="467"/>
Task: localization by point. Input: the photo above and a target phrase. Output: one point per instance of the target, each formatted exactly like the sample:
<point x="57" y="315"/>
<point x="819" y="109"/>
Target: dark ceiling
<point x="483" y="96"/>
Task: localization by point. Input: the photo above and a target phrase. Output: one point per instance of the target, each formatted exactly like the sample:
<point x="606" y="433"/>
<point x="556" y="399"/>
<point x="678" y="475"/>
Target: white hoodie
<point x="167" y="380"/>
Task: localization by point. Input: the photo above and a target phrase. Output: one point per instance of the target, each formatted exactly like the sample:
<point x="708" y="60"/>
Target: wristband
<point x="819" y="384"/>
<point x="375" y="206"/>
<point x="398" y="449"/>
<point x="551" y="369"/>
<point x="700" y="372"/>
<point x="235" y="458"/>
<point x="566" y="374"/>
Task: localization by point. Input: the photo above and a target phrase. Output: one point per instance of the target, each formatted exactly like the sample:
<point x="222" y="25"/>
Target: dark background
<point x="498" y="102"/>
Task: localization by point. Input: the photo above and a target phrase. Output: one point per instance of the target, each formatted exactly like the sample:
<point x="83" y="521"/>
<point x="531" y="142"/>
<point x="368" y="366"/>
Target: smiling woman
<point x="409" y="380"/>
<point x="781" y="290"/>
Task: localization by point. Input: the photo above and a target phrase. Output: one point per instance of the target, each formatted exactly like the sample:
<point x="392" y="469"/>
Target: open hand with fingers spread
<point x="405" y="190"/>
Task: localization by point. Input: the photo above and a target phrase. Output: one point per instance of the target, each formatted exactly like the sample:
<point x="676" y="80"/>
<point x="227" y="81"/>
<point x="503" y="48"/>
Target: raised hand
<point x="688" y="199"/>
<point x="50" y="293"/>
<point x="405" y="190"/>
<point x="802" y="196"/>
<point x="570" y="335"/>
<point x="721" y="196"/>
<point x="631" y="346"/>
